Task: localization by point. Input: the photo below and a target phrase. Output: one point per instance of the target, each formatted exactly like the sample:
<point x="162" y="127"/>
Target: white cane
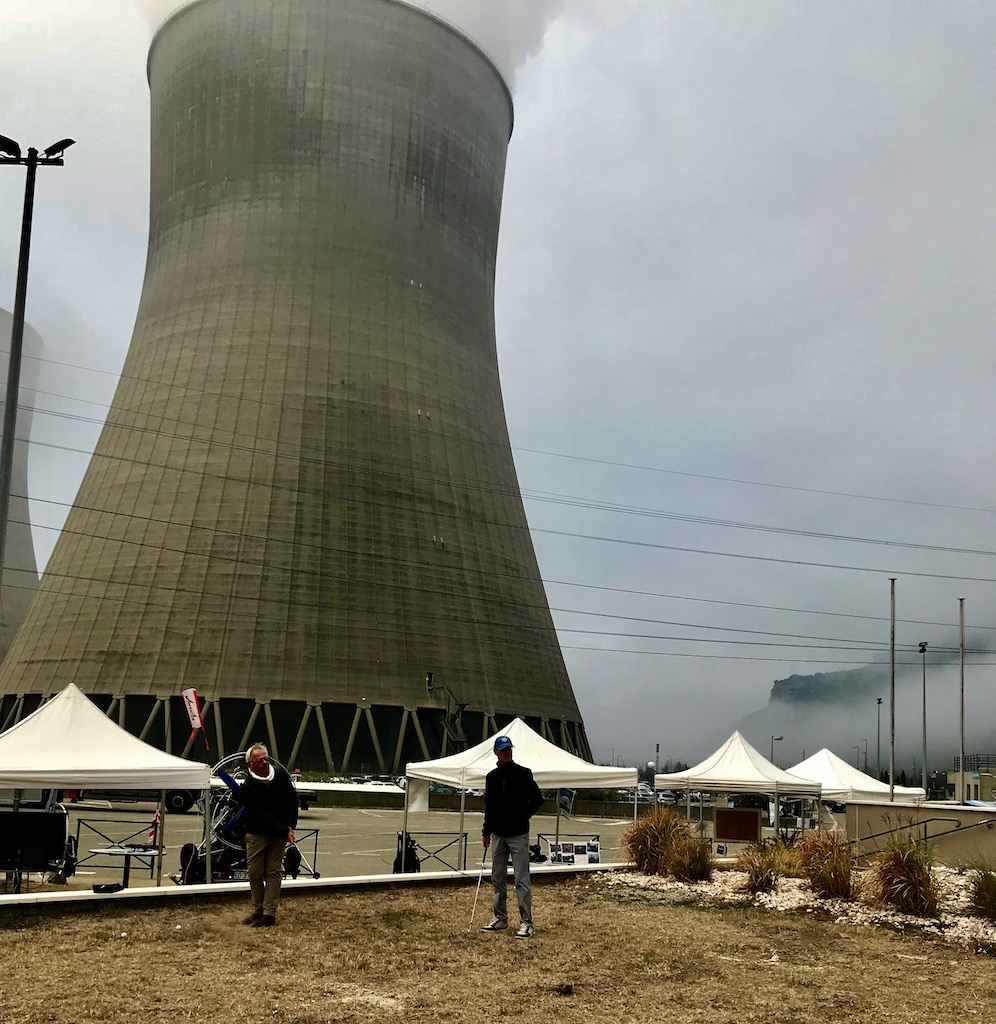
<point x="480" y="878"/>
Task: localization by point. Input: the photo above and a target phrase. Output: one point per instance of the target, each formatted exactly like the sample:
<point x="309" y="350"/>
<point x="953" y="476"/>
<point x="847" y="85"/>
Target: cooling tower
<point x="304" y="501"/>
<point x="20" y="574"/>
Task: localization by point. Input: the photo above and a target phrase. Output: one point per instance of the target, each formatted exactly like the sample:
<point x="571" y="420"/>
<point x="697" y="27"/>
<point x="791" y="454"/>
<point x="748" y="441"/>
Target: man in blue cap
<point x="511" y="798"/>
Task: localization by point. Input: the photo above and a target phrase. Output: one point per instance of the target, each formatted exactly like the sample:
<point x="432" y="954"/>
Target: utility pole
<point x="892" y="691"/>
<point x="923" y="657"/>
<point x="961" y="701"/>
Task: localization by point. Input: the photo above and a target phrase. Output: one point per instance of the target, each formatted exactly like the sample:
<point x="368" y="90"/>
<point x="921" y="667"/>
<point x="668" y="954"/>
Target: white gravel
<point x="954" y="924"/>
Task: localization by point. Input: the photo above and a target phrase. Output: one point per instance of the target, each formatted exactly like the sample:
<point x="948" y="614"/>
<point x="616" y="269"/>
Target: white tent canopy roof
<point x="842" y="781"/>
<point x="552" y="767"/>
<point x="69" y="742"/>
<point x="736" y="767"/>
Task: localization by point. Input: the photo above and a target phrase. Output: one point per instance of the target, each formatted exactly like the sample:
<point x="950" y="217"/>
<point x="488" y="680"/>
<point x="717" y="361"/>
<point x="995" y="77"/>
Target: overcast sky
<point x="745" y="312"/>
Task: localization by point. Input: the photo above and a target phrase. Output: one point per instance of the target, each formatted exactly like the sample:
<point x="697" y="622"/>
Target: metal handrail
<point x="988" y="822"/>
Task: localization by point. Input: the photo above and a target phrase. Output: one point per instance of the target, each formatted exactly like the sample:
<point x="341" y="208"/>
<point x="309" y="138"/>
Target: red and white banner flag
<point x="191" y="703"/>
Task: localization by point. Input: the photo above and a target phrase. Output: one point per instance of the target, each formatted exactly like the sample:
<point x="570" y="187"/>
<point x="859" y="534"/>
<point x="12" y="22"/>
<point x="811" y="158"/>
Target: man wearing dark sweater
<point x="511" y="798"/>
<point x="270" y="801"/>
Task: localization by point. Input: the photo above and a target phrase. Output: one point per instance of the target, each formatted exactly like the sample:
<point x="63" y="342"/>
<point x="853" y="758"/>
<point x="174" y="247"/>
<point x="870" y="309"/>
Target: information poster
<point x="584" y="852"/>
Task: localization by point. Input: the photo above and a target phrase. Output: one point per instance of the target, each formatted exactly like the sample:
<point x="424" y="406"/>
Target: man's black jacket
<point x="511" y="798"/>
<point x="271" y="807"/>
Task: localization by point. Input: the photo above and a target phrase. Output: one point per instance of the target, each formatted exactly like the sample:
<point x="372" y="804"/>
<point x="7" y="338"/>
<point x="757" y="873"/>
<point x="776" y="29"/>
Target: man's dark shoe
<point x="265" y="921"/>
<point x="253" y="917"/>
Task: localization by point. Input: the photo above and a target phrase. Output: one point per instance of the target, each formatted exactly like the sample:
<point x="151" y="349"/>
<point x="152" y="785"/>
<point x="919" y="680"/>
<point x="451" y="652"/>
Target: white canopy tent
<point x="736" y="767"/>
<point x="842" y="781"/>
<point x="552" y="768"/>
<point x="69" y="742"/>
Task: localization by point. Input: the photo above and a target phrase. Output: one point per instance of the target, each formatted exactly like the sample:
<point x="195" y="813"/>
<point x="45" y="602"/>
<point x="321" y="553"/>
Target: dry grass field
<point x="601" y="953"/>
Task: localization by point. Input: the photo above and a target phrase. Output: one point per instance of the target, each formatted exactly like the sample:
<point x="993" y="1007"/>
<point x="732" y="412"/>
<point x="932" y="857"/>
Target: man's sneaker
<point x="253" y="917"/>
<point x="525" y="931"/>
<point x="265" y="921"/>
<point x="497" y="925"/>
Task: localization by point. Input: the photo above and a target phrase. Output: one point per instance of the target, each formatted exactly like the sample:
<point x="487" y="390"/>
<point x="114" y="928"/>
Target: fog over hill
<point x="839" y="710"/>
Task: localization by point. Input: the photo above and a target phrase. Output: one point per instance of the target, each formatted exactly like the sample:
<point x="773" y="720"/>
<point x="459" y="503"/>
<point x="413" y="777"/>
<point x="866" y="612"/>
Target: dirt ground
<point x="601" y="953"/>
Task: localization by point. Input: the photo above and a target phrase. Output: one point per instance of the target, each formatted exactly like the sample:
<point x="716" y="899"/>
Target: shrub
<point x="691" y="859"/>
<point x="901" y="876"/>
<point x="826" y="860"/>
<point x="764" y="864"/>
<point x="663" y="842"/>
<point x="982" y="891"/>
<point x="649" y="839"/>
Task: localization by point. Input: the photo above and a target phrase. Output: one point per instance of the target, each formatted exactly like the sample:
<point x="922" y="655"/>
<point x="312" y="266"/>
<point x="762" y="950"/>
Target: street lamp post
<point x="774" y="740"/>
<point x="878" y="704"/>
<point x="923" y="656"/>
<point x="10" y="153"/>
<point x="865" y="742"/>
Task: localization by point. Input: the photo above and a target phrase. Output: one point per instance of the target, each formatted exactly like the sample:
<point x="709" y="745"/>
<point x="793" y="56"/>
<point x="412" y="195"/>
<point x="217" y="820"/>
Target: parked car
<point x="643" y="794"/>
<point x="178" y="801"/>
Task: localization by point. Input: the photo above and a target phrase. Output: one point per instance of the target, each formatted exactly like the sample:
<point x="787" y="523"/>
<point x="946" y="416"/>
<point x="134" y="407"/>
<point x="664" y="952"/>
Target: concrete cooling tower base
<point x="327" y="737"/>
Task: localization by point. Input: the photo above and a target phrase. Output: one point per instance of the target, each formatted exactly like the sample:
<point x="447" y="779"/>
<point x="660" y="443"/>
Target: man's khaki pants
<point x="264" y="859"/>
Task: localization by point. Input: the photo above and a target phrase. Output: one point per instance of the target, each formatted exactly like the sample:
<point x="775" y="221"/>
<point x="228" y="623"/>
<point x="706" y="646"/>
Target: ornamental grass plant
<point x="663" y="842"/>
<point x="763" y="864"/>
<point x="982" y="891"/>
<point x="826" y="860"/>
<point x="902" y="876"/>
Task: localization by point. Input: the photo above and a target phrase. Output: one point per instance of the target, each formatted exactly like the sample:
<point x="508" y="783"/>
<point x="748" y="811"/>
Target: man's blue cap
<point x="503" y="743"/>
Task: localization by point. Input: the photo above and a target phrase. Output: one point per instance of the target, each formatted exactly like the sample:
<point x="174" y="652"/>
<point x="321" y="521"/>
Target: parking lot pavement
<point x="349" y="841"/>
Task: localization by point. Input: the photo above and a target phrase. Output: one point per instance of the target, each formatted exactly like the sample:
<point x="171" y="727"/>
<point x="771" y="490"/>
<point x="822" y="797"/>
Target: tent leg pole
<point x="207" y="836"/>
<point x="160" y="834"/>
<point x="404" y="824"/>
<point x="463" y="801"/>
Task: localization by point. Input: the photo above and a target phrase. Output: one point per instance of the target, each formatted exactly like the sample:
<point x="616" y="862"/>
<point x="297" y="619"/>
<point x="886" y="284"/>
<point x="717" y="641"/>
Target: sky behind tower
<point x="744" y="310"/>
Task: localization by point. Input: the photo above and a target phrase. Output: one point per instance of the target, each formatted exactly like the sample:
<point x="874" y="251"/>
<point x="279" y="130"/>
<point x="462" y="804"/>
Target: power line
<point x="763" y="558"/>
<point x="537" y="451"/>
<point x="755" y="483"/>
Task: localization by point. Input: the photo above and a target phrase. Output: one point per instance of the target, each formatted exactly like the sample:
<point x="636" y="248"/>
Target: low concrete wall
<point x="364" y="799"/>
<point x="959" y="835"/>
<point x="473" y="804"/>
